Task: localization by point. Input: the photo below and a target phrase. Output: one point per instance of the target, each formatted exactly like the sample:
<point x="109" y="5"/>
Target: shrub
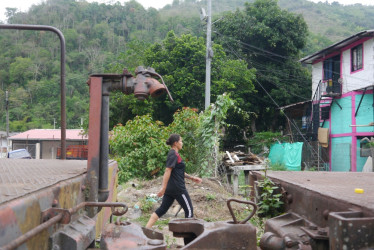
<point x="263" y="139"/>
<point x="186" y="123"/>
<point x="139" y="147"/>
<point x="270" y="202"/>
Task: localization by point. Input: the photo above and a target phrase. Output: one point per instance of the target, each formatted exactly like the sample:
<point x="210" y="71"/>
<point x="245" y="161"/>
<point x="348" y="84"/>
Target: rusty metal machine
<point x="56" y="204"/>
<point x="197" y="234"/>
<point x="322" y="211"/>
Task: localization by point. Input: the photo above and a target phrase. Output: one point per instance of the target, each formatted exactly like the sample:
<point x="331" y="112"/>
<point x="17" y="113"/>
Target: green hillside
<point x="106" y="38"/>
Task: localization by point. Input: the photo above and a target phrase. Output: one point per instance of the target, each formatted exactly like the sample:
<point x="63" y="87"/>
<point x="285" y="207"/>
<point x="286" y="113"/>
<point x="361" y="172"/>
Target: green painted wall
<point x="341" y="154"/>
<point x="326" y="125"/>
<point x="365" y="113"/>
<point x="341" y="118"/>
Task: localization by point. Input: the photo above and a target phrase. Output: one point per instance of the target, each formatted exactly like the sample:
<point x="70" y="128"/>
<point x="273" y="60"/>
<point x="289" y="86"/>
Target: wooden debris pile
<point x="238" y="158"/>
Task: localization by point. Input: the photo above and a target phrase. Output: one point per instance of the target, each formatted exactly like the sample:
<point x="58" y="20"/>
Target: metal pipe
<point x="62" y="77"/>
<point x="7" y="120"/>
<point x="209" y="54"/>
<point x="104" y="143"/>
<point x="23" y="238"/>
<point x="100" y="204"/>
<point x="54" y="220"/>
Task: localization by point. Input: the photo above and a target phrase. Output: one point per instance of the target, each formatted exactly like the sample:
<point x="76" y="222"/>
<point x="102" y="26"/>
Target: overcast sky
<point x="23" y="5"/>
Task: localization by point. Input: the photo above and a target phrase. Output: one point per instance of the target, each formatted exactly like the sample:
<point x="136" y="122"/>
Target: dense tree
<point x="270" y="40"/>
<point x="21" y="71"/>
<point x="181" y="62"/>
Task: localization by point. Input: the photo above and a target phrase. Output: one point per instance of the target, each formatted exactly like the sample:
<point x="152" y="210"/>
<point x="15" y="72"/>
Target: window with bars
<point x="356" y="58"/>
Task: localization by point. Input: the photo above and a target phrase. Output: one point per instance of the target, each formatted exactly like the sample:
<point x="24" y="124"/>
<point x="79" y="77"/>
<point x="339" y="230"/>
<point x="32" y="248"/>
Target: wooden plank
<point x="248" y="167"/>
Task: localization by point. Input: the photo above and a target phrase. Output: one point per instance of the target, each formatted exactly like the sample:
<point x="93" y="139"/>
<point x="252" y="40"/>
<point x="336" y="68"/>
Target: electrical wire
<point x="289" y="120"/>
<point x="254" y="47"/>
<point x="267" y="53"/>
<point x="265" y="66"/>
<point x="271" y="82"/>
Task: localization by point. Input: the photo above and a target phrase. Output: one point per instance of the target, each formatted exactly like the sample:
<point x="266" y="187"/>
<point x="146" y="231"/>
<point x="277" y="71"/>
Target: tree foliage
<point x="210" y="132"/>
<point x="270" y="40"/>
<point x="181" y="62"/>
<point x="140" y="148"/>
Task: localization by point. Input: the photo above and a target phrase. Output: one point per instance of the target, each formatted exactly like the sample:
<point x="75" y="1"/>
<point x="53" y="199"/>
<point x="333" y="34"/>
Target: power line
<point x="289" y="120"/>
<point x="255" y="47"/>
<point x="271" y="82"/>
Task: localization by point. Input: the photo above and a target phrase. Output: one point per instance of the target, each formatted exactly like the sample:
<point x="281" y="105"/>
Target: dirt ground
<point x="208" y="198"/>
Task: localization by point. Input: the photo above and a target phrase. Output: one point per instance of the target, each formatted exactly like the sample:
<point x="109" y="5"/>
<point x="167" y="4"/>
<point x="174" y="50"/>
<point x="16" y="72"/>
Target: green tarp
<point x="288" y="154"/>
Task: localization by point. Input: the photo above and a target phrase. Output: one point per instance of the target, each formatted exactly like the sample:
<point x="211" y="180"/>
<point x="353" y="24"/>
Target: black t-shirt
<point x="176" y="184"/>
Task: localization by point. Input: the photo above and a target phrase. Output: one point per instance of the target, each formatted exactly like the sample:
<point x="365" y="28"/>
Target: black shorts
<point x="183" y="200"/>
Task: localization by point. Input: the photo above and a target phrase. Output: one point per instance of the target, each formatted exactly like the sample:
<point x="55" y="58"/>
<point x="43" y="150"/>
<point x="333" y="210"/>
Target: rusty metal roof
<point x="22" y="176"/>
<point x="50" y="134"/>
<point x="337" y="185"/>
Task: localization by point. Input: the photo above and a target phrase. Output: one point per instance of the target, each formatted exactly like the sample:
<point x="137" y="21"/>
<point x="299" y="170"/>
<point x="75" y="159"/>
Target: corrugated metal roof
<point x="336" y="46"/>
<point x="49" y="134"/>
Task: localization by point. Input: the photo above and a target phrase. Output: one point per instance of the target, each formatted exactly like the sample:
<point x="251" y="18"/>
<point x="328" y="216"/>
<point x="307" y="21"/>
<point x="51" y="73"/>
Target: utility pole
<point x="7" y="119"/>
<point x="209" y="54"/>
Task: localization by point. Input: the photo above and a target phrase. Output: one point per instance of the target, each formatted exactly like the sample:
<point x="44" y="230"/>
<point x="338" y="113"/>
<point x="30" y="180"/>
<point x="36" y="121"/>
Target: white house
<point x="342" y="98"/>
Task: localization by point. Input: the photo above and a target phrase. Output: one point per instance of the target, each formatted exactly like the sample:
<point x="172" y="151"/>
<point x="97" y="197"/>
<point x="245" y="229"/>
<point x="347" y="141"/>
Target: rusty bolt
<point x="326" y="214"/>
<point x="289" y="198"/>
<point x="54" y="203"/>
<point x="288" y="241"/>
<point x="83" y="187"/>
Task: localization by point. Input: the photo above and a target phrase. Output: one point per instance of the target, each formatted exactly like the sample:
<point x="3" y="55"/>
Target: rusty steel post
<point x="62" y="73"/>
<point x="142" y="86"/>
